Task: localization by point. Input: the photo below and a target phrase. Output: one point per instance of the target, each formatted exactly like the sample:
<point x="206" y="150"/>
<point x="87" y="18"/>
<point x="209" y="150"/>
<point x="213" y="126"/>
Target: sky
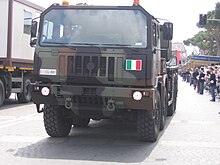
<point x="183" y="13"/>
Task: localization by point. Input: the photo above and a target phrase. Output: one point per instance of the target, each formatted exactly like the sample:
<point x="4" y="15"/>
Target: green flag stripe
<point x="128" y="64"/>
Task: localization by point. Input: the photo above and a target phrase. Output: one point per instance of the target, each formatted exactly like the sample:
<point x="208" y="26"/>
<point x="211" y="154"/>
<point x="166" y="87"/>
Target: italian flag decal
<point x="134" y="65"/>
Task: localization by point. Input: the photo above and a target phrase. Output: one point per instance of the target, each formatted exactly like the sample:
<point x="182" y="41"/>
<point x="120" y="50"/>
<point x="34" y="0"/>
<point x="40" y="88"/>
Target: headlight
<point x="137" y="95"/>
<point x="45" y="91"/>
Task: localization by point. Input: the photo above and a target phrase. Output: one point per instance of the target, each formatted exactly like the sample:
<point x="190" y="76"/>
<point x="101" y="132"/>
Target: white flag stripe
<point x="133" y="65"/>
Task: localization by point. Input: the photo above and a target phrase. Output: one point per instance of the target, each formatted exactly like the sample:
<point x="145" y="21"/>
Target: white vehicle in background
<point x="16" y="55"/>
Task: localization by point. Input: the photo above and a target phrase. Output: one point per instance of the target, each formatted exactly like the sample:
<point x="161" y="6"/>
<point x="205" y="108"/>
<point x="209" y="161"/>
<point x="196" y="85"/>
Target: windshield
<point x="96" y="27"/>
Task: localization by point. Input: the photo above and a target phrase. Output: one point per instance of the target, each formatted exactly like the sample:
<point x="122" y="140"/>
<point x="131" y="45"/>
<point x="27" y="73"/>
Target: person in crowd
<point x="212" y="83"/>
<point x="187" y="76"/>
<point x="198" y="83"/>
<point x="184" y="75"/>
<point x="201" y="81"/>
<point x="194" y="77"/>
<point x="207" y="80"/>
<point x="218" y="82"/>
<point x="191" y="76"/>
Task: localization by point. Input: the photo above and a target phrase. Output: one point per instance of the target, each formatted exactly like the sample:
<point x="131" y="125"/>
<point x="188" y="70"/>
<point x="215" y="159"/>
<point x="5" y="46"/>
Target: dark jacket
<point x="212" y="79"/>
<point x="202" y="77"/>
<point x="195" y="74"/>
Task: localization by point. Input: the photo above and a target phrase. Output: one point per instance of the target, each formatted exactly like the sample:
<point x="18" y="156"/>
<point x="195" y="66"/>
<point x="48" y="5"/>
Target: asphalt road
<point x="191" y="136"/>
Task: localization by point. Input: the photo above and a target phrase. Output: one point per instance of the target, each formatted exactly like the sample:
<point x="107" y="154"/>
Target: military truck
<point x="116" y="64"/>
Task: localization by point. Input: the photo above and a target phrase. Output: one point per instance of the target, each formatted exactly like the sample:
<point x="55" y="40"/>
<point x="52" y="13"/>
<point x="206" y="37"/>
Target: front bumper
<point x="94" y="97"/>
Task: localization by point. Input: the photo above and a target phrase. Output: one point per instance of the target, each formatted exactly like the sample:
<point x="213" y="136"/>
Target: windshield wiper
<point x="122" y="45"/>
<point x="116" y="45"/>
<point x="59" y="43"/>
<point x="69" y="44"/>
<point x="87" y="44"/>
<point x="64" y="44"/>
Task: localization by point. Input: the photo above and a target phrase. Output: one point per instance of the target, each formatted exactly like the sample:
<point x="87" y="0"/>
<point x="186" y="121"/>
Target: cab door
<point x="156" y="49"/>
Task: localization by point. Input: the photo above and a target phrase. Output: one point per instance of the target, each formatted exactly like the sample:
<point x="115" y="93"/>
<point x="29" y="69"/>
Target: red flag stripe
<point x="138" y="64"/>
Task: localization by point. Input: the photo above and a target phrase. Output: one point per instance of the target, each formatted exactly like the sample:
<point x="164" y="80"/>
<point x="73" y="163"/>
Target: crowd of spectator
<point x="204" y="79"/>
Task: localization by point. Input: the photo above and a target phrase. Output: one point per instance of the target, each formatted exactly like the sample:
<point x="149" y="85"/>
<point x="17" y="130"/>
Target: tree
<point x="217" y="16"/>
<point x="208" y="40"/>
<point x="205" y="41"/>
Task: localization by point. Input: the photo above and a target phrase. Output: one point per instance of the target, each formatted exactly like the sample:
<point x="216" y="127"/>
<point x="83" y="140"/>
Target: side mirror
<point x="33" y="40"/>
<point x="166" y="48"/>
<point x="167" y="29"/>
<point x="34" y="29"/>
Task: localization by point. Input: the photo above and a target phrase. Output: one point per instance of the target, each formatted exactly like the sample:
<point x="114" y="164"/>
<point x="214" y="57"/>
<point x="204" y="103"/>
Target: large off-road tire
<point x="148" y="122"/>
<point x="56" y="125"/>
<point x="80" y="122"/>
<point x="164" y="110"/>
<point x="25" y="96"/>
<point x="8" y="86"/>
<point x="2" y="93"/>
<point x="172" y="107"/>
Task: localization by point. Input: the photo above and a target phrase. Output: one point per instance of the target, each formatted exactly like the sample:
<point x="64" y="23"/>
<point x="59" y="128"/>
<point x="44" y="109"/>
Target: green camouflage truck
<point x="116" y="64"/>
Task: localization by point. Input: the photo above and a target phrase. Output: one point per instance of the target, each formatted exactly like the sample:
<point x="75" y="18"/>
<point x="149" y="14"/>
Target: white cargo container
<point x="16" y="55"/>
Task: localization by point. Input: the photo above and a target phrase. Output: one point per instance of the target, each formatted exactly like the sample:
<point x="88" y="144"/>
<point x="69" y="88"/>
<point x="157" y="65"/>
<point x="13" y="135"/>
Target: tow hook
<point x="68" y="103"/>
<point x="110" y="105"/>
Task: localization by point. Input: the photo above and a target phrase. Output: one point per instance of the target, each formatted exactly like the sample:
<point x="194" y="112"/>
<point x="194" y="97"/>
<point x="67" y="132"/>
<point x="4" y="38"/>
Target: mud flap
<point x="40" y="108"/>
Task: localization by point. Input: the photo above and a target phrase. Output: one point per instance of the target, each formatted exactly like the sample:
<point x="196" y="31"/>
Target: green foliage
<point x="208" y="40"/>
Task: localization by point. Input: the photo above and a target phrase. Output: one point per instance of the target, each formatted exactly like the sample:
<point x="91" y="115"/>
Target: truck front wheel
<point x="148" y="122"/>
<point x="164" y="110"/>
<point x="55" y="123"/>
<point x="172" y="107"/>
<point x="2" y="93"/>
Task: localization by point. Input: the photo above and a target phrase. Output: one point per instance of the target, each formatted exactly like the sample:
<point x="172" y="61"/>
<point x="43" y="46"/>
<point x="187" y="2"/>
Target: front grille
<point x="89" y="100"/>
<point x="90" y="66"/>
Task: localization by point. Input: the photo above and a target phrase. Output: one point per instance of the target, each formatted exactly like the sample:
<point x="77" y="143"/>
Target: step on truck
<point x="116" y="62"/>
<point x="16" y="55"/>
